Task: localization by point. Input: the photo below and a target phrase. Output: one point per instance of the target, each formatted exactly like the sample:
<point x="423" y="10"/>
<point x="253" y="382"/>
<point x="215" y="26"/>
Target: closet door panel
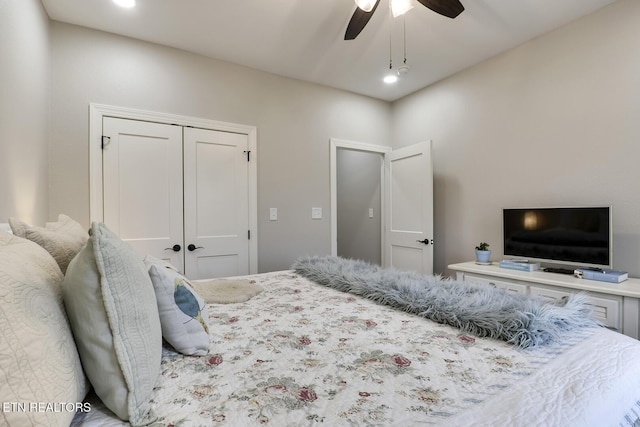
<point x="215" y="190"/>
<point x="142" y="166"/>
<point x="216" y="203"/>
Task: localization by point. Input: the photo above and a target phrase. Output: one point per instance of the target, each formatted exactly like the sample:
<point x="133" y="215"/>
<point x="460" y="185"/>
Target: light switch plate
<point x="370" y="212"/>
<point x="316" y="213"/>
<point x="273" y="214"/>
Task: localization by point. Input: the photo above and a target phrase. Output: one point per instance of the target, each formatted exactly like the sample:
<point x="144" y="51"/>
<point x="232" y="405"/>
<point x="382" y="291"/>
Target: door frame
<point x="334" y="145"/>
<point x="98" y="111"/>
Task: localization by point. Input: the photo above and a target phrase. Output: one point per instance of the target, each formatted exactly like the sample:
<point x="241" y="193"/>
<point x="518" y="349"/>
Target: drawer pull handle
<point x="493" y="285"/>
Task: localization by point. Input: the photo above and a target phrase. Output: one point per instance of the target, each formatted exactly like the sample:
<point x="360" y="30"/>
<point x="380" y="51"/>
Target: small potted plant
<point x="483" y="253"/>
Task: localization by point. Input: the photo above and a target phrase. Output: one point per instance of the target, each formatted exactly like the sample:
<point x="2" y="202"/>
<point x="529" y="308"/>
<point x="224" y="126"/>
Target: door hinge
<point x="249" y="234"/>
<point x="105" y="141"/>
<point x="248" y="155"/>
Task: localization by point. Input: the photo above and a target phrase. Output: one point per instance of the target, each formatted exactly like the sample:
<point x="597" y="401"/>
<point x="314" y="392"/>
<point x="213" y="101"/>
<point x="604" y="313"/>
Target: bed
<point x="299" y="353"/>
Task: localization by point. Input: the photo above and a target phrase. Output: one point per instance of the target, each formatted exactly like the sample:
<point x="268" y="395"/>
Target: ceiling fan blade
<point x="448" y="8"/>
<point x="358" y="21"/>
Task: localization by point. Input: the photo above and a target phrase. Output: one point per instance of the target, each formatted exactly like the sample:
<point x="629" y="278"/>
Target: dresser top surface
<point x="629" y="288"/>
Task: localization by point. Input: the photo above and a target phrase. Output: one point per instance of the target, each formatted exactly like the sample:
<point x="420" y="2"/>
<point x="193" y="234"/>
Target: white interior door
<point x="216" y="203"/>
<point x="409" y="219"/>
<point x="142" y="186"/>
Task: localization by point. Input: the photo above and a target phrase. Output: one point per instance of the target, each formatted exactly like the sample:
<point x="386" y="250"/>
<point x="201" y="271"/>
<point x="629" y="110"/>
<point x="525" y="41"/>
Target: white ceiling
<point x="303" y="39"/>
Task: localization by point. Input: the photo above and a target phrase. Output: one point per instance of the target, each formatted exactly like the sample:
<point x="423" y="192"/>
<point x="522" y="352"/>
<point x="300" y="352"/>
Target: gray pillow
<point x="39" y="362"/>
<point x="114" y="317"/>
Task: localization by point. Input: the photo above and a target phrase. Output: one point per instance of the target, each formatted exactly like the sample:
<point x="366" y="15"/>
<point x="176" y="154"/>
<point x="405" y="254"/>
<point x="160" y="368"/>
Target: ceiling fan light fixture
<point x="400" y="7"/>
<point x="366" y="5"/>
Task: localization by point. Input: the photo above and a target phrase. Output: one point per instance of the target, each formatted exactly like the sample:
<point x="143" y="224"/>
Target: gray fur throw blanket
<point x="525" y="321"/>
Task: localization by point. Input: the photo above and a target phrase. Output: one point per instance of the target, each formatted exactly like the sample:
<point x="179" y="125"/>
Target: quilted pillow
<point x="62" y="239"/>
<point x="183" y="312"/>
<point x="114" y="317"/>
<point x="39" y="362"/>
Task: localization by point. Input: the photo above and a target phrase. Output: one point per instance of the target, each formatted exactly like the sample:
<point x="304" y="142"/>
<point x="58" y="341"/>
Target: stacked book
<point x="522" y="265"/>
<point x="601" y="274"/>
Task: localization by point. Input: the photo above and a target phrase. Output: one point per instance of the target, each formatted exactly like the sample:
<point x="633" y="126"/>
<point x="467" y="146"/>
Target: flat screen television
<point x="569" y="236"/>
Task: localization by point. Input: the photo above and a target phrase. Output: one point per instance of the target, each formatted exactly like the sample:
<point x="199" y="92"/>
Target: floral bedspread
<point x="300" y="354"/>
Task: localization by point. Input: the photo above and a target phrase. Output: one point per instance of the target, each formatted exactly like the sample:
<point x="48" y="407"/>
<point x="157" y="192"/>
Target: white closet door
<point x="409" y="230"/>
<point x="216" y="202"/>
<point x="142" y="167"/>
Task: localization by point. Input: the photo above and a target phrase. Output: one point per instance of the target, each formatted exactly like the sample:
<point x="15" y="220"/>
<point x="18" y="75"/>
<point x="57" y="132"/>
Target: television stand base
<point x="616" y="305"/>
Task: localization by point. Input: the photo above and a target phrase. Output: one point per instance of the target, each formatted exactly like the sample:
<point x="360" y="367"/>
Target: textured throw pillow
<point x="62" y="239"/>
<point x="114" y="317"/>
<point x="39" y="363"/>
<point x="183" y="312"/>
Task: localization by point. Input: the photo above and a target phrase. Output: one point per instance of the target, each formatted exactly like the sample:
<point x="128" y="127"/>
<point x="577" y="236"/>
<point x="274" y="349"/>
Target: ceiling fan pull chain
<point x="404" y="69"/>
<point x="404" y="35"/>
<point x="390" y="59"/>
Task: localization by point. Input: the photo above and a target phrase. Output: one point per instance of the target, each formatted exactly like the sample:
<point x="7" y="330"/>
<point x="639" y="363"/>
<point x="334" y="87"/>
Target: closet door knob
<point x="193" y="247"/>
<point x="174" y="248"/>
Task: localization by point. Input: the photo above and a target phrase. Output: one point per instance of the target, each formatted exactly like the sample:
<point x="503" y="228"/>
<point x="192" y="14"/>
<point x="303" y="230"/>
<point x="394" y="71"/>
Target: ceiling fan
<point x="365" y="9"/>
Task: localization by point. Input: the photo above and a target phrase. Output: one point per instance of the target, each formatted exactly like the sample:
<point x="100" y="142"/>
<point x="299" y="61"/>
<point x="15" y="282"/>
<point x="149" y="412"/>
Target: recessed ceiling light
<point x="391" y="78"/>
<point x="125" y="3"/>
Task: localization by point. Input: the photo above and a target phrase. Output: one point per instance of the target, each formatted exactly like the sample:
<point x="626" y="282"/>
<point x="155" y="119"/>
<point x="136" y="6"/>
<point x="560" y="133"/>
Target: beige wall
<point x="295" y="121"/>
<point x="24" y="110"/>
<point x="555" y="121"/>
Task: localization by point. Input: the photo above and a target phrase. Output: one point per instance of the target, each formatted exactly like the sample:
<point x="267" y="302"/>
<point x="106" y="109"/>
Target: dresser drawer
<point x="607" y="309"/>
<point x="500" y="284"/>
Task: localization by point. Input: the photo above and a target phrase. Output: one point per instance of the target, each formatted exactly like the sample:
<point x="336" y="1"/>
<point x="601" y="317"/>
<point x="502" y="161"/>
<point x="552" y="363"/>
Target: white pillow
<point x="62" y="239"/>
<point x="39" y="362"/>
<point x="114" y="317"/>
<point x="183" y="313"/>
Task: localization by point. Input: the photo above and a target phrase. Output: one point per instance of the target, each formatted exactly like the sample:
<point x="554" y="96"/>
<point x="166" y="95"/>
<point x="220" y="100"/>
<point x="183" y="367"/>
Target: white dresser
<point x="617" y="305"/>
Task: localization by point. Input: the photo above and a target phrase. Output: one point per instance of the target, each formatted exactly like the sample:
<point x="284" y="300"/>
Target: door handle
<point x="193" y="247"/>
<point x="425" y="241"/>
<point x="174" y="248"/>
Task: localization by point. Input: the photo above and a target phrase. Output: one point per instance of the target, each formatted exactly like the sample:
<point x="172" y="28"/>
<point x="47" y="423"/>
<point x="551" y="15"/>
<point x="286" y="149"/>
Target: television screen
<point x="573" y="236"/>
